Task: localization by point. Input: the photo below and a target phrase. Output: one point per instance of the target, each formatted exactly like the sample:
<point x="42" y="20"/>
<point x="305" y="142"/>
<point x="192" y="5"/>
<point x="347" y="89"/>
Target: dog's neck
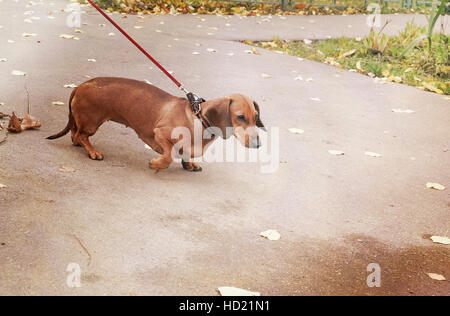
<point x="218" y="115"/>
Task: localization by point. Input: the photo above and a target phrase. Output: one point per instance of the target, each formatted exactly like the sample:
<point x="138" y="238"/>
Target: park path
<point x="134" y="232"/>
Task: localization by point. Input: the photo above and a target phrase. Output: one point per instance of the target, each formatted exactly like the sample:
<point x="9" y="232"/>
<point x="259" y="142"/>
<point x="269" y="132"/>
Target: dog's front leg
<point x="162" y="137"/>
<point x="191" y="166"/>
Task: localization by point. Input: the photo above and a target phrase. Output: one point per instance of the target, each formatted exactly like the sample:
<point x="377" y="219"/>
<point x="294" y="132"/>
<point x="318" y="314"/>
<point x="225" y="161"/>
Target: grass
<point x="224" y="7"/>
<point x="381" y="56"/>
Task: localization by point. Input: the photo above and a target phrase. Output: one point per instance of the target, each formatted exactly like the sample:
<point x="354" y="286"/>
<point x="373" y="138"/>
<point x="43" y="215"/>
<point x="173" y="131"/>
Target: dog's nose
<point x="255" y="142"/>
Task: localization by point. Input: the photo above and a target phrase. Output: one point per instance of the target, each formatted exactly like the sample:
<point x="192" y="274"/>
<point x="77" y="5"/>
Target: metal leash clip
<point x="195" y="102"/>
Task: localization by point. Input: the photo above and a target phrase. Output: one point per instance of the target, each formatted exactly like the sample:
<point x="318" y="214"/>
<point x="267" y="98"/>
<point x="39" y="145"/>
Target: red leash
<point x="194" y="100"/>
<point x="138" y="46"/>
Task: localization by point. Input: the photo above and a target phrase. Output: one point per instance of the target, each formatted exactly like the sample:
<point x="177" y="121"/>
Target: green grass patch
<point x="404" y="58"/>
<point x="256" y="7"/>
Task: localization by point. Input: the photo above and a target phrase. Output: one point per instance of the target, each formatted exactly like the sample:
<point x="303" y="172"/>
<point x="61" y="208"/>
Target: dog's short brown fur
<point x="153" y="114"/>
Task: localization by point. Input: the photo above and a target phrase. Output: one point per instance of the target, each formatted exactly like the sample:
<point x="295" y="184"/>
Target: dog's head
<point x="240" y="113"/>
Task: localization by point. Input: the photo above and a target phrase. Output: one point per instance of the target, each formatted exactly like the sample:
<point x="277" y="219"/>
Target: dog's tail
<point x="69" y="124"/>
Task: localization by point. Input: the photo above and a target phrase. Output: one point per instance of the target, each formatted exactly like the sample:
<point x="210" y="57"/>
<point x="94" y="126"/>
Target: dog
<point x="154" y="114"/>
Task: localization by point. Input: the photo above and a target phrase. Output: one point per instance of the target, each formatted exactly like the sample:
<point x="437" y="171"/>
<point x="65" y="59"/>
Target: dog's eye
<point x="241" y="118"/>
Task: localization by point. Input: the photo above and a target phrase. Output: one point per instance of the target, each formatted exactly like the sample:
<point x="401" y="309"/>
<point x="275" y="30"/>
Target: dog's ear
<point x="218" y="113"/>
<point x="259" y="123"/>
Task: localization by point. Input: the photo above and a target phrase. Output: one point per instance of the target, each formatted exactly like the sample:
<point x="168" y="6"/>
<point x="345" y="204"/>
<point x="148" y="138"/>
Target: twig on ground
<point x="84" y="248"/>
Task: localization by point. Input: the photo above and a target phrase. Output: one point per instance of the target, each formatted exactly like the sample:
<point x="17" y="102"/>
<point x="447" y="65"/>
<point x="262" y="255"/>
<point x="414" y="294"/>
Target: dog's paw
<point x="158" y="164"/>
<point x="95" y="155"/>
<point x="192" y="166"/>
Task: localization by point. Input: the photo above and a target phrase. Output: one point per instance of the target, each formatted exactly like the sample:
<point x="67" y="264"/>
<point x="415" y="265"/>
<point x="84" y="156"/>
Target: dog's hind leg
<point x="83" y="140"/>
<point x="74" y="131"/>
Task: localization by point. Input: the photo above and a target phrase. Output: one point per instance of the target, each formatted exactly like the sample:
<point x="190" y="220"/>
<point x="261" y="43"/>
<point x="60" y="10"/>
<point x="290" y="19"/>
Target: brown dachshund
<point x="154" y="114"/>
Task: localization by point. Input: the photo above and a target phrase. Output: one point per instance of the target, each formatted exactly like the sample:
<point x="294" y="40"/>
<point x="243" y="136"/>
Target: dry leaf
<point x="402" y="111"/>
<point x="58" y="103"/>
<point x="30" y="122"/>
<point x="29" y="35"/>
<point x="372" y="154"/>
<point x="440" y="240"/>
<point x="67" y="169"/>
<point x="233" y="291"/>
<point x="92" y="60"/>
<point x="349" y="53"/>
<point x="14" y="124"/>
<point x="436" y="186"/>
<point x="296" y="131"/>
<point x="266" y="76"/>
<point x="3" y="186"/>
<point x="315" y="99"/>
<point x="436" y="277"/>
<point x="336" y="152"/>
<point x="3" y="60"/>
<point x="18" y="73"/>
<point x="67" y="36"/>
<point x="71" y="86"/>
<point x="271" y="234"/>
<point x="307" y="41"/>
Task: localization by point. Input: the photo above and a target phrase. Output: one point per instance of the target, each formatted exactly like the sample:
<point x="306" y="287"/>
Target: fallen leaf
<point x="58" y="103"/>
<point x="66" y="169"/>
<point x="18" y="73"/>
<point x="266" y="76"/>
<point x="70" y="86"/>
<point x="233" y="291"/>
<point x="347" y="54"/>
<point x="436" y="277"/>
<point x="271" y="234"/>
<point x="402" y="111"/>
<point x="3" y="186"/>
<point x="92" y="60"/>
<point x="3" y="60"/>
<point x="336" y="152"/>
<point x="29" y="122"/>
<point x="14" y="124"/>
<point x="296" y="131"/>
<point x="67" y="36"/>
<point x="307" y="41"/>
<point x="299" y="78"/>
<point x="436" y="186"/>
<point x="372" y="154"/>
<point x="253" y="51"/>
<point x="29" y="35"/>
<point x="315" y="99"/>
<point x="211" y="50"/>
<point x="195" y="53"/>
<point x="440" y="240"/>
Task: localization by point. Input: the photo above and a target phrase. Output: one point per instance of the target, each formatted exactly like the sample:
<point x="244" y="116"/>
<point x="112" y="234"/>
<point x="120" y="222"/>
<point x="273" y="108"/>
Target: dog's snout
<point x="255" y="142"/>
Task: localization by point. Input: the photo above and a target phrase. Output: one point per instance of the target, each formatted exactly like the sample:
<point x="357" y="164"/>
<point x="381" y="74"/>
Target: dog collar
<point x="196" y="107"/>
